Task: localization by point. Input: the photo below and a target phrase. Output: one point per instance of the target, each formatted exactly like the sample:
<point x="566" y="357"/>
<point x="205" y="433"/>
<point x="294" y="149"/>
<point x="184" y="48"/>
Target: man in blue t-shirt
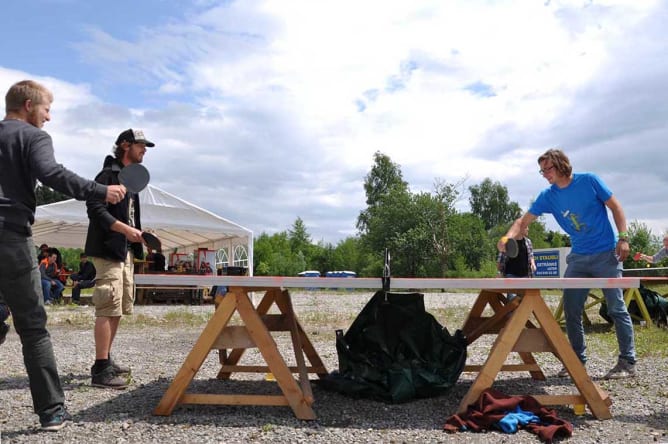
<point x="579" y="202"/>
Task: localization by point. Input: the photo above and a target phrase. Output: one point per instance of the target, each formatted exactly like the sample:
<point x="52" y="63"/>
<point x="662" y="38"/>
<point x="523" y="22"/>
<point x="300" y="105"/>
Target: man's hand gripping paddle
<point x="152" y="241"/>
<point x="134" y="177"/>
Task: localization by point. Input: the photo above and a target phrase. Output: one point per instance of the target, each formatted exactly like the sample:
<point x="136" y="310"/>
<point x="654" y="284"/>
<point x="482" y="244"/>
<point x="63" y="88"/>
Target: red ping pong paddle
<point x="636" y="257"/>
<point x="134" y="177"/>
<point x="512" y="249"/>
<point x="152" y="241"/>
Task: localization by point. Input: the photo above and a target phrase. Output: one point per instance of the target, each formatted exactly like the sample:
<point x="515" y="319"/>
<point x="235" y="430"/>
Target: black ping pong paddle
<point x="134" y="177"/>
<point x="152" y="241"/>
<point x="511" y="248"/>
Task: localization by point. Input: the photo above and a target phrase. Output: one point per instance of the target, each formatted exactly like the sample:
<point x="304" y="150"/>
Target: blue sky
<point x="263" y="111"/>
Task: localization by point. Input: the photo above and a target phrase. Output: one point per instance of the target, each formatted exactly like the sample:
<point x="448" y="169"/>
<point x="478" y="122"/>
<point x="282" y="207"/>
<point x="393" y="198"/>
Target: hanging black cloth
<point x="396" y="351"/>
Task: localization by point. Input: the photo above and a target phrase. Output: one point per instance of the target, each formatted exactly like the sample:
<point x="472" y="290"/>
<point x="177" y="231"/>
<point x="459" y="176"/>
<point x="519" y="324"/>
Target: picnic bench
<point x="630" y="294"/>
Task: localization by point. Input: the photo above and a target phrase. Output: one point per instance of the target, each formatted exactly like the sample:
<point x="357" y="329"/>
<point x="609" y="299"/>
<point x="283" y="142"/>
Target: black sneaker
<point x="4" y="329"/>
<point x="106" y="378"/>
<point x="56" y="421"/>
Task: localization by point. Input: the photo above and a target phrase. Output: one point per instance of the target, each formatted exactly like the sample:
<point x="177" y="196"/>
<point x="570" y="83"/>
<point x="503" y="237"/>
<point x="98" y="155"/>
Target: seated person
<point x="59" y="257"/>
<point x="205" y="268"/>
<point x="156" y="261"/>
<point x="85" y="278"/>
<point x="64" y="272"/>
<point x="51" y="285"/>
<point x="43" y="253"/>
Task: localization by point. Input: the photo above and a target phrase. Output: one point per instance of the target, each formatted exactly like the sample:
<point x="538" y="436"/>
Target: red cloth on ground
<point x="493" y="405"/>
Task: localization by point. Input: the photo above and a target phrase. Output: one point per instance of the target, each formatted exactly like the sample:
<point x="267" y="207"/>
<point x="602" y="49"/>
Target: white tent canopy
<point x="177" y="223"/>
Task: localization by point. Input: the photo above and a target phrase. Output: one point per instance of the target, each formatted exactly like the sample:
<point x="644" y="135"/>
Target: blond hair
<point x="26" y="90"/>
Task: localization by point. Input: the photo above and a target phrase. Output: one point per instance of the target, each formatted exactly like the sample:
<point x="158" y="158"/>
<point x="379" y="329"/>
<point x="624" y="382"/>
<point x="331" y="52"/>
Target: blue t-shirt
<point x="580" y="211"/>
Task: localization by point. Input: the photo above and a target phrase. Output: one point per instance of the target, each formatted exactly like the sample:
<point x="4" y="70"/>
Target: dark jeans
<point x="76" y="290"/>
<point x="21" y="288"/>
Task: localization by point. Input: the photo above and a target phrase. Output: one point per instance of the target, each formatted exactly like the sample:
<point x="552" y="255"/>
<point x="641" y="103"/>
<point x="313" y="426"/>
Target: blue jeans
<point x="511" y="296"/>
<point x="600" y="265"/>
<point x="52" y="290"/>
<point x="21" y="289"/>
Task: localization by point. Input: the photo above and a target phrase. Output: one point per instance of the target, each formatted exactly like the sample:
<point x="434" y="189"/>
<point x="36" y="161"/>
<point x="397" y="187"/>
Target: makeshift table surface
<point x="511" y="321"/>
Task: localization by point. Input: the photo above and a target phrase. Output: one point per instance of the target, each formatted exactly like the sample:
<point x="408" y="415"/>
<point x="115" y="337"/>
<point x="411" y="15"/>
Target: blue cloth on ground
<point x="515" y="418"/>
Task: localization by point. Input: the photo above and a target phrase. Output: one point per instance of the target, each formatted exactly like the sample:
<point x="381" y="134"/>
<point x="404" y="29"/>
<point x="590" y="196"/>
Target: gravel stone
<point x="155" y="352"/>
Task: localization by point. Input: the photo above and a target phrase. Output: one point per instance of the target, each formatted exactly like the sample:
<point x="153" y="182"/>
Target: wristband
<point x="504" y="239"/>
<point x="624" y="234"/>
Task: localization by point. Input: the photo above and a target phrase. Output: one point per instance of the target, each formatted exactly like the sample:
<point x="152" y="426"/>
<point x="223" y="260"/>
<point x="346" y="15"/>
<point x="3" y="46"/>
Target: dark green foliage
<point x="490" y="202"/>
<point x="46" y="195"/>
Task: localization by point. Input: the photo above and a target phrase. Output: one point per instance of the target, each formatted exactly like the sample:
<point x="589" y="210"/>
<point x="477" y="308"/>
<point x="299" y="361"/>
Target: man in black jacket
<point x="85" y="278"/>
<point x="113" y="242"/>
<point x="26" y="155"/>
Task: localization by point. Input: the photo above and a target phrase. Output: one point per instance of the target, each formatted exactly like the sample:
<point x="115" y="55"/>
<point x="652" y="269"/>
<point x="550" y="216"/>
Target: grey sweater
<point x="26" y="156"/>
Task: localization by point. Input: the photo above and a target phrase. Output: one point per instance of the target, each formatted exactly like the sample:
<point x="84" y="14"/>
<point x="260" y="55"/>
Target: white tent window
<point x="240" y="256"/>
<point x="222" y="258"/>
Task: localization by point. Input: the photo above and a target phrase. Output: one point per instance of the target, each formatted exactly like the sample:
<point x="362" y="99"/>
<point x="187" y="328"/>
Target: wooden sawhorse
<point x="517" y="333"/>
<point x="254" y="332"/>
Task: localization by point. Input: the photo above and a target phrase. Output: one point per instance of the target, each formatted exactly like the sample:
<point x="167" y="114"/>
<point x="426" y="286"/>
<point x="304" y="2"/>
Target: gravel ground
<point x="155" y="341"/>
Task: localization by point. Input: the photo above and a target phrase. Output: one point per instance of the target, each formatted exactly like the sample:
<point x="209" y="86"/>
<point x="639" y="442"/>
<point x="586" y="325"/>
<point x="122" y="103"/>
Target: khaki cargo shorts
<point x="114" y="293"/>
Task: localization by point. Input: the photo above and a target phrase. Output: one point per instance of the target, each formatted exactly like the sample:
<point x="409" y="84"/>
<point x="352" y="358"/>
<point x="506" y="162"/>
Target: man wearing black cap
<point x="113" y="241"/>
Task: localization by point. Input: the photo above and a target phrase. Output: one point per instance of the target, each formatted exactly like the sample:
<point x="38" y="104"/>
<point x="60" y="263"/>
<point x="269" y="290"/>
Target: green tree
<point x="437" y="215"/>
<point x="348" y="255"/>
<point x="321" y="257"/>
<point x="470" y="242"/>
<point x="490" y="202"/>
<point x="414" y="227"/>
<point x="384" y="178"/>
<point x="300" y="240"/>
<point x="641" y="239"/>
<point x="272" y="255"/>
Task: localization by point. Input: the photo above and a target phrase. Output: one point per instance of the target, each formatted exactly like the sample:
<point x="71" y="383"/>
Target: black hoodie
<point x="101" y="241"/>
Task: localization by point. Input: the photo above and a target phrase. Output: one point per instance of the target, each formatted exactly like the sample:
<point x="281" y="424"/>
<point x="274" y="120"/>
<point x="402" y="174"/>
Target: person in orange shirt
<point x="51" y="285"/>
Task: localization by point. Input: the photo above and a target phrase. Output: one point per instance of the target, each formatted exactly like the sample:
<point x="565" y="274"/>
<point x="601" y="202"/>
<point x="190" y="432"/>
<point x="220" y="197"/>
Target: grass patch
<point x="70" y="315"/>
<point x="187" y="318"/>
<point x="649" y="341"/>
<point x="323" y="319"/>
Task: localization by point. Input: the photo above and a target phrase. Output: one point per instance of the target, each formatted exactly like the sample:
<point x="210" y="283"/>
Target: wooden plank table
<point x="524" y="325"/>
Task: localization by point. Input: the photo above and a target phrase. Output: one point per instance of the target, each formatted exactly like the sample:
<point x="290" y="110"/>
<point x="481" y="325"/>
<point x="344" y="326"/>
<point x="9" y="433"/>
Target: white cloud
<point x="265" y="111"/>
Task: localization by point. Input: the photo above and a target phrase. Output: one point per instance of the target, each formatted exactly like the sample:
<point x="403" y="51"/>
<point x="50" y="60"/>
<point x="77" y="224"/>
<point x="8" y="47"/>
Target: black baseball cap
<point x="133" y="136"/>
